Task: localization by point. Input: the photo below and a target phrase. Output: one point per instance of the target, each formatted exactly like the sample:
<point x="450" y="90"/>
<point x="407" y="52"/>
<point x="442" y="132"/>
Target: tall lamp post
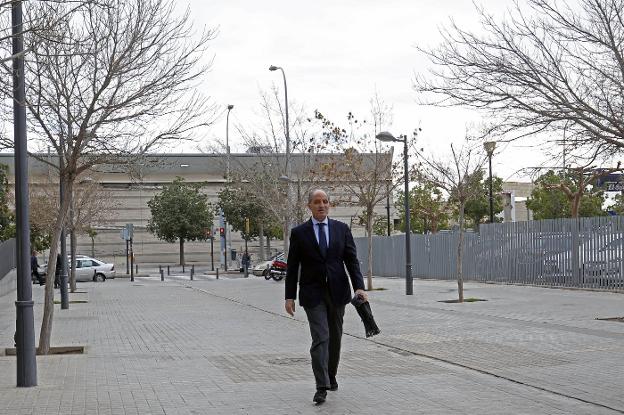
<point x="222" y="222"/>
<point x="25" y="326"/>
<point x="409" y="282"/>
<point x="489" y="147"/>
<point x="287" y="165"/>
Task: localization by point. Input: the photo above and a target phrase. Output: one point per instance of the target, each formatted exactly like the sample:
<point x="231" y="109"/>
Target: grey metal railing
<point x="7" y="257"/>
<point x="583" y="253"/>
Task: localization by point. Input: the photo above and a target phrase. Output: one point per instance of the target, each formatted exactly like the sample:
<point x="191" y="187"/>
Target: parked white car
<point x="90" y="269"/>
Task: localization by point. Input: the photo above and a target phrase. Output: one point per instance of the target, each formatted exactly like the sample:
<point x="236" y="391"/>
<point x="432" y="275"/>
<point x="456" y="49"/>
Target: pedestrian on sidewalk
<point x="57" y="272"/>
<point x="34" y="267"/>
<point x="322" y="248"/>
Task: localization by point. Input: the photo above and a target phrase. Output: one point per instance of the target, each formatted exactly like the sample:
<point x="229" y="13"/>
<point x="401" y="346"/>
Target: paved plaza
<point x="226" y="347"/>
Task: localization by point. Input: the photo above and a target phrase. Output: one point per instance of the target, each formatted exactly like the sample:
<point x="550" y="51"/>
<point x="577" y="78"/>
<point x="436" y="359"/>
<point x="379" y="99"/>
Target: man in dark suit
<point x="321" y="248"/>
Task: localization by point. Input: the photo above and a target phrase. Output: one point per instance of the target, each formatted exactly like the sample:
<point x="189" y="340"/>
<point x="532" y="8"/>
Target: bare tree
<point x="267" y="176"/>
<point x="111" y="78"/>
<point x="459" y="178"/>
<point x="554" y="66"/>
<point x="362" y="174"/>
<point x="91" y="206"/>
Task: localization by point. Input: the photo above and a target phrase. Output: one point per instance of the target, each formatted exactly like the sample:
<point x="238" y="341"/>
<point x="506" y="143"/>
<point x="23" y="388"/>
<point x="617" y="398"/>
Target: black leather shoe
<point x="320" y="396"/>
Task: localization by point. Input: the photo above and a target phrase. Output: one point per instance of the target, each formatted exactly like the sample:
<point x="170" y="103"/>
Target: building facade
<point x="129" y="186"/>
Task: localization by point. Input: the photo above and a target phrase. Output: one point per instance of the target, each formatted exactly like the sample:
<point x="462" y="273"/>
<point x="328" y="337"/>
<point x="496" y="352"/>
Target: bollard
<point x="168" y="271"/>
<point x="183" y="269"/>
<point x="137" y="268"/>
<point x="192" y="271"/>
<point x="162" y="274"/>
<point x="160" y="268"/>
<point x="217" y="273"/>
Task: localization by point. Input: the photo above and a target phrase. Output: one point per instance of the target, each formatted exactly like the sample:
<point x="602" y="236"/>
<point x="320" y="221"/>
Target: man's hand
<point x="290" y="307"/>
<point x="362" y="294"/>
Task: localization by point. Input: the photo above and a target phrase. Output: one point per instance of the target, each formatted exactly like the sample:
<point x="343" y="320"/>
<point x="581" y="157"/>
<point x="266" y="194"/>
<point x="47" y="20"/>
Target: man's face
<point x="319" y="205"/>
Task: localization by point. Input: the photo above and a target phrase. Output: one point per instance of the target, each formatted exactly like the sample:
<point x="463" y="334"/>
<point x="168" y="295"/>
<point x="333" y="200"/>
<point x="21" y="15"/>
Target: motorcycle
<point x="277" y="270"/>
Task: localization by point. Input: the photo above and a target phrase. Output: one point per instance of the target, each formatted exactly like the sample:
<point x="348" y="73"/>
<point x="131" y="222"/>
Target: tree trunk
<point x="182" y="252"/>
<point x="268" y="241"/>
<point x="286" y="236"/>
<point x="576" y="203"/>
<point x="92" y="247"/>
<point x="261" y="239"/>
<point x="460" y="252"/>
<point x="369" y="234"/>
<point x="48" y="303"/>
<point x="72" y="272"/>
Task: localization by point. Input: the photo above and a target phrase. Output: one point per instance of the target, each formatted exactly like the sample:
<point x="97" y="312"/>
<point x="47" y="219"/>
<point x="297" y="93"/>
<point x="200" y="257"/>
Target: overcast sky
<point x="336" y="54"/>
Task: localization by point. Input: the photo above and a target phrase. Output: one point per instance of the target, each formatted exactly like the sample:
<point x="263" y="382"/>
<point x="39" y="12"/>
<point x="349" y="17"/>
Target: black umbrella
<point x="364" y="310"/>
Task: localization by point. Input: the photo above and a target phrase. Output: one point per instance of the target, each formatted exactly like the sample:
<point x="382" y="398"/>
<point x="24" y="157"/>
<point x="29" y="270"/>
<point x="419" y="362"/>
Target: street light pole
<point x="25" y="326"/>
<point x="222" y="222"/>
<point x="409" y="281"/>
<point x="63" y="279"/>
<point x="227" y="142"/>
<point x="287" y="165"/>
<point x="489" y="149"/>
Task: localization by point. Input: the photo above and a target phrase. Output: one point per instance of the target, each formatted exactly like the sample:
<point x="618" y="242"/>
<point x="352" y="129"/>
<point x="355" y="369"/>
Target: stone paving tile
<point x="225" y="347"/>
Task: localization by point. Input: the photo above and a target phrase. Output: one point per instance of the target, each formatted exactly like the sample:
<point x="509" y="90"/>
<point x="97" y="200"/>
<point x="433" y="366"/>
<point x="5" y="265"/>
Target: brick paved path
<point x="226" y="347"/>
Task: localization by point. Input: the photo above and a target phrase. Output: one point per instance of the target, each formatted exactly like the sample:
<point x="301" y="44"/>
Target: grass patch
<point x="72" y="301"/>
<point x="466" y="300"/>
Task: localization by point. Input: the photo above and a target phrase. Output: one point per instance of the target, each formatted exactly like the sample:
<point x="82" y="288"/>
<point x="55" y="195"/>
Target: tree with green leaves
<point x="478" y="207"/>
<point x="429" y="212"/>
<point x="180" y="212"/>
<point x="618" y="207"/>
<point x="558" y="195"/>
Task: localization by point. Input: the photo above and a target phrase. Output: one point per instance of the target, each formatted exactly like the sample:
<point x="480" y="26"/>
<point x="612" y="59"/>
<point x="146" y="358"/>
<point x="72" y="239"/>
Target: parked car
<point x="89" y="269"/>
<point x="261" y="269"/>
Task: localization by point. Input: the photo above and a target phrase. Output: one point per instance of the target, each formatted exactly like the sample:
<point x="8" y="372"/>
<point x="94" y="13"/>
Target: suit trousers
<point x="325" y="320"/>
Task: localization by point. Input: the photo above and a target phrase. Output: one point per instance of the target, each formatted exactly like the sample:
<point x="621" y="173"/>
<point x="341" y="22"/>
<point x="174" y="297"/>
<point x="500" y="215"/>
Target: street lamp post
<point x="25" y="326"/>
<point x="489" y="149"/>
<point x="222" y="223"/>
<point x="409" y="282"/>
<point x="287" y="165"/>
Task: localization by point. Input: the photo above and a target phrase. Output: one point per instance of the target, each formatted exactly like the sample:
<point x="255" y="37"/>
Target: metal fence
<point x="583" y="253"/>
<point x="7" y="257"/>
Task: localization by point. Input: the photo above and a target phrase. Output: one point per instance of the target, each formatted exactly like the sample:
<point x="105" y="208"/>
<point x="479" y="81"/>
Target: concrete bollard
<point x="162" y="274"/>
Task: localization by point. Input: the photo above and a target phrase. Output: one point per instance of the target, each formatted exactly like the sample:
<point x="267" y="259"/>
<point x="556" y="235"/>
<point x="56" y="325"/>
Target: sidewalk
<point x="226" y="347"/>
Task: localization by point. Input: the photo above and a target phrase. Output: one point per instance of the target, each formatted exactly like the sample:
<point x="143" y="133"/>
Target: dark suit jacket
<point x="317" y="271"/>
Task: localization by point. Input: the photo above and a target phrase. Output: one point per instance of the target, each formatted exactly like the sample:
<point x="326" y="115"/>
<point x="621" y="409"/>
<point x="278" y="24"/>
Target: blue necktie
<point x="322" y="239"/>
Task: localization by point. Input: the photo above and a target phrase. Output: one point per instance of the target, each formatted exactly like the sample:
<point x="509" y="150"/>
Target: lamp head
<point x="386" y="136"/>
<point x="273" y="68"/>
<point x="229" y="107"/>
<point x="489" y="147"/>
